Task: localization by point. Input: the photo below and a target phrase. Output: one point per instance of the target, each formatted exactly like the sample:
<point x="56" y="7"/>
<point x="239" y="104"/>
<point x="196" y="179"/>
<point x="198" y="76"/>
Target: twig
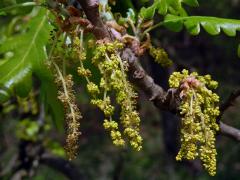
<point x="230" y="131"/>
<point x="228" y="103"/>
<point x="91" y="10"/>
<point x="61" y="165"/>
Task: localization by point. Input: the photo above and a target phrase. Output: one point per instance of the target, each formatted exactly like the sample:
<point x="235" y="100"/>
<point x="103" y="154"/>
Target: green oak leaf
<point x="211" y="25"/>
<point x="28" y="57"/>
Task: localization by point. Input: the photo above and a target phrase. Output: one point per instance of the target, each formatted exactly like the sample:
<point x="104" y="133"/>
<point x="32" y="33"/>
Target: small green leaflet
<point x="212" y="25"/>
<point x="147" y="13"/>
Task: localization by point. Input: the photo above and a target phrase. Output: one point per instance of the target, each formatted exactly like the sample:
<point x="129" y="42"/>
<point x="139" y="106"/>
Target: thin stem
<point x="191" y="112"/>
<point x="19" y="5"/>
<point x="138" y="25"/>
<point x="65" y="92"/>
<point x="81" y="50"/>
<point x="191" y="104"/>
<point x="53" y="45"/>
<point x="133" y="27"/>
<point x="152" y="28"/>
<point x="62" y="79"/>
<point x="64" y="59"/>
<point x="202" y="120"/>
<point x="124" y="80"/>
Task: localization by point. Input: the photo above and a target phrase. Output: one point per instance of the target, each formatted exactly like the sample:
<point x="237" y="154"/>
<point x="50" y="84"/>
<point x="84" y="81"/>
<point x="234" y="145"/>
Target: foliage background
<point x="98" y="158"/>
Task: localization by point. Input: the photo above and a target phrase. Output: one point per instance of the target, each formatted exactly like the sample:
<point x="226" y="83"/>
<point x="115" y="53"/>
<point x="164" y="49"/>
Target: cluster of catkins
<point x="199" y="111"/>
<point x="113" y="80"/>
<point x="160" y="56"/>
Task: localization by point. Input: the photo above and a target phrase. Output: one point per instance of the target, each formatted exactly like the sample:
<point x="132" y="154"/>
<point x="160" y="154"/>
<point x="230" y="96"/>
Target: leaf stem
<point x="152" y="28"/>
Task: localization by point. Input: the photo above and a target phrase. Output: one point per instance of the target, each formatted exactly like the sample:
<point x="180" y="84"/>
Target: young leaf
<point x="147" y="13"/>
<point x="212" y="25"/>
<point x="162" y="7"/>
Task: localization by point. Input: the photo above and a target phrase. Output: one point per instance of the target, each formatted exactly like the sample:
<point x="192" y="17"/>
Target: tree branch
<point x="228" y="103"/>
<point x="164" y="100"/>
<point x="161" y="99"/>
<point x="230" y="131"/>
<point x="90" y="8"/>
<point x="61" y="165"/>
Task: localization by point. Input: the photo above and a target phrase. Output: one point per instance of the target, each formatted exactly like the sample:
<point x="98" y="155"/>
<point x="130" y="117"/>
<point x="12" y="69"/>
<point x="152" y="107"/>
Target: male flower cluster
<point x="199" y="111"/>
<point x="114" y="79"/>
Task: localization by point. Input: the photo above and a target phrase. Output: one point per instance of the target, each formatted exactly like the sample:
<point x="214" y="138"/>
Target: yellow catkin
<point x="114" y="79"/>
<point x="160" y="56"/>
<point x="72" y="113"/>
<point x="198" y="110"/>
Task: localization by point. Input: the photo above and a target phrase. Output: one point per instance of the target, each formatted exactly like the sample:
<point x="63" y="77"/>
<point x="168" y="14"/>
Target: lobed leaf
<point x="211" y="25"/>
